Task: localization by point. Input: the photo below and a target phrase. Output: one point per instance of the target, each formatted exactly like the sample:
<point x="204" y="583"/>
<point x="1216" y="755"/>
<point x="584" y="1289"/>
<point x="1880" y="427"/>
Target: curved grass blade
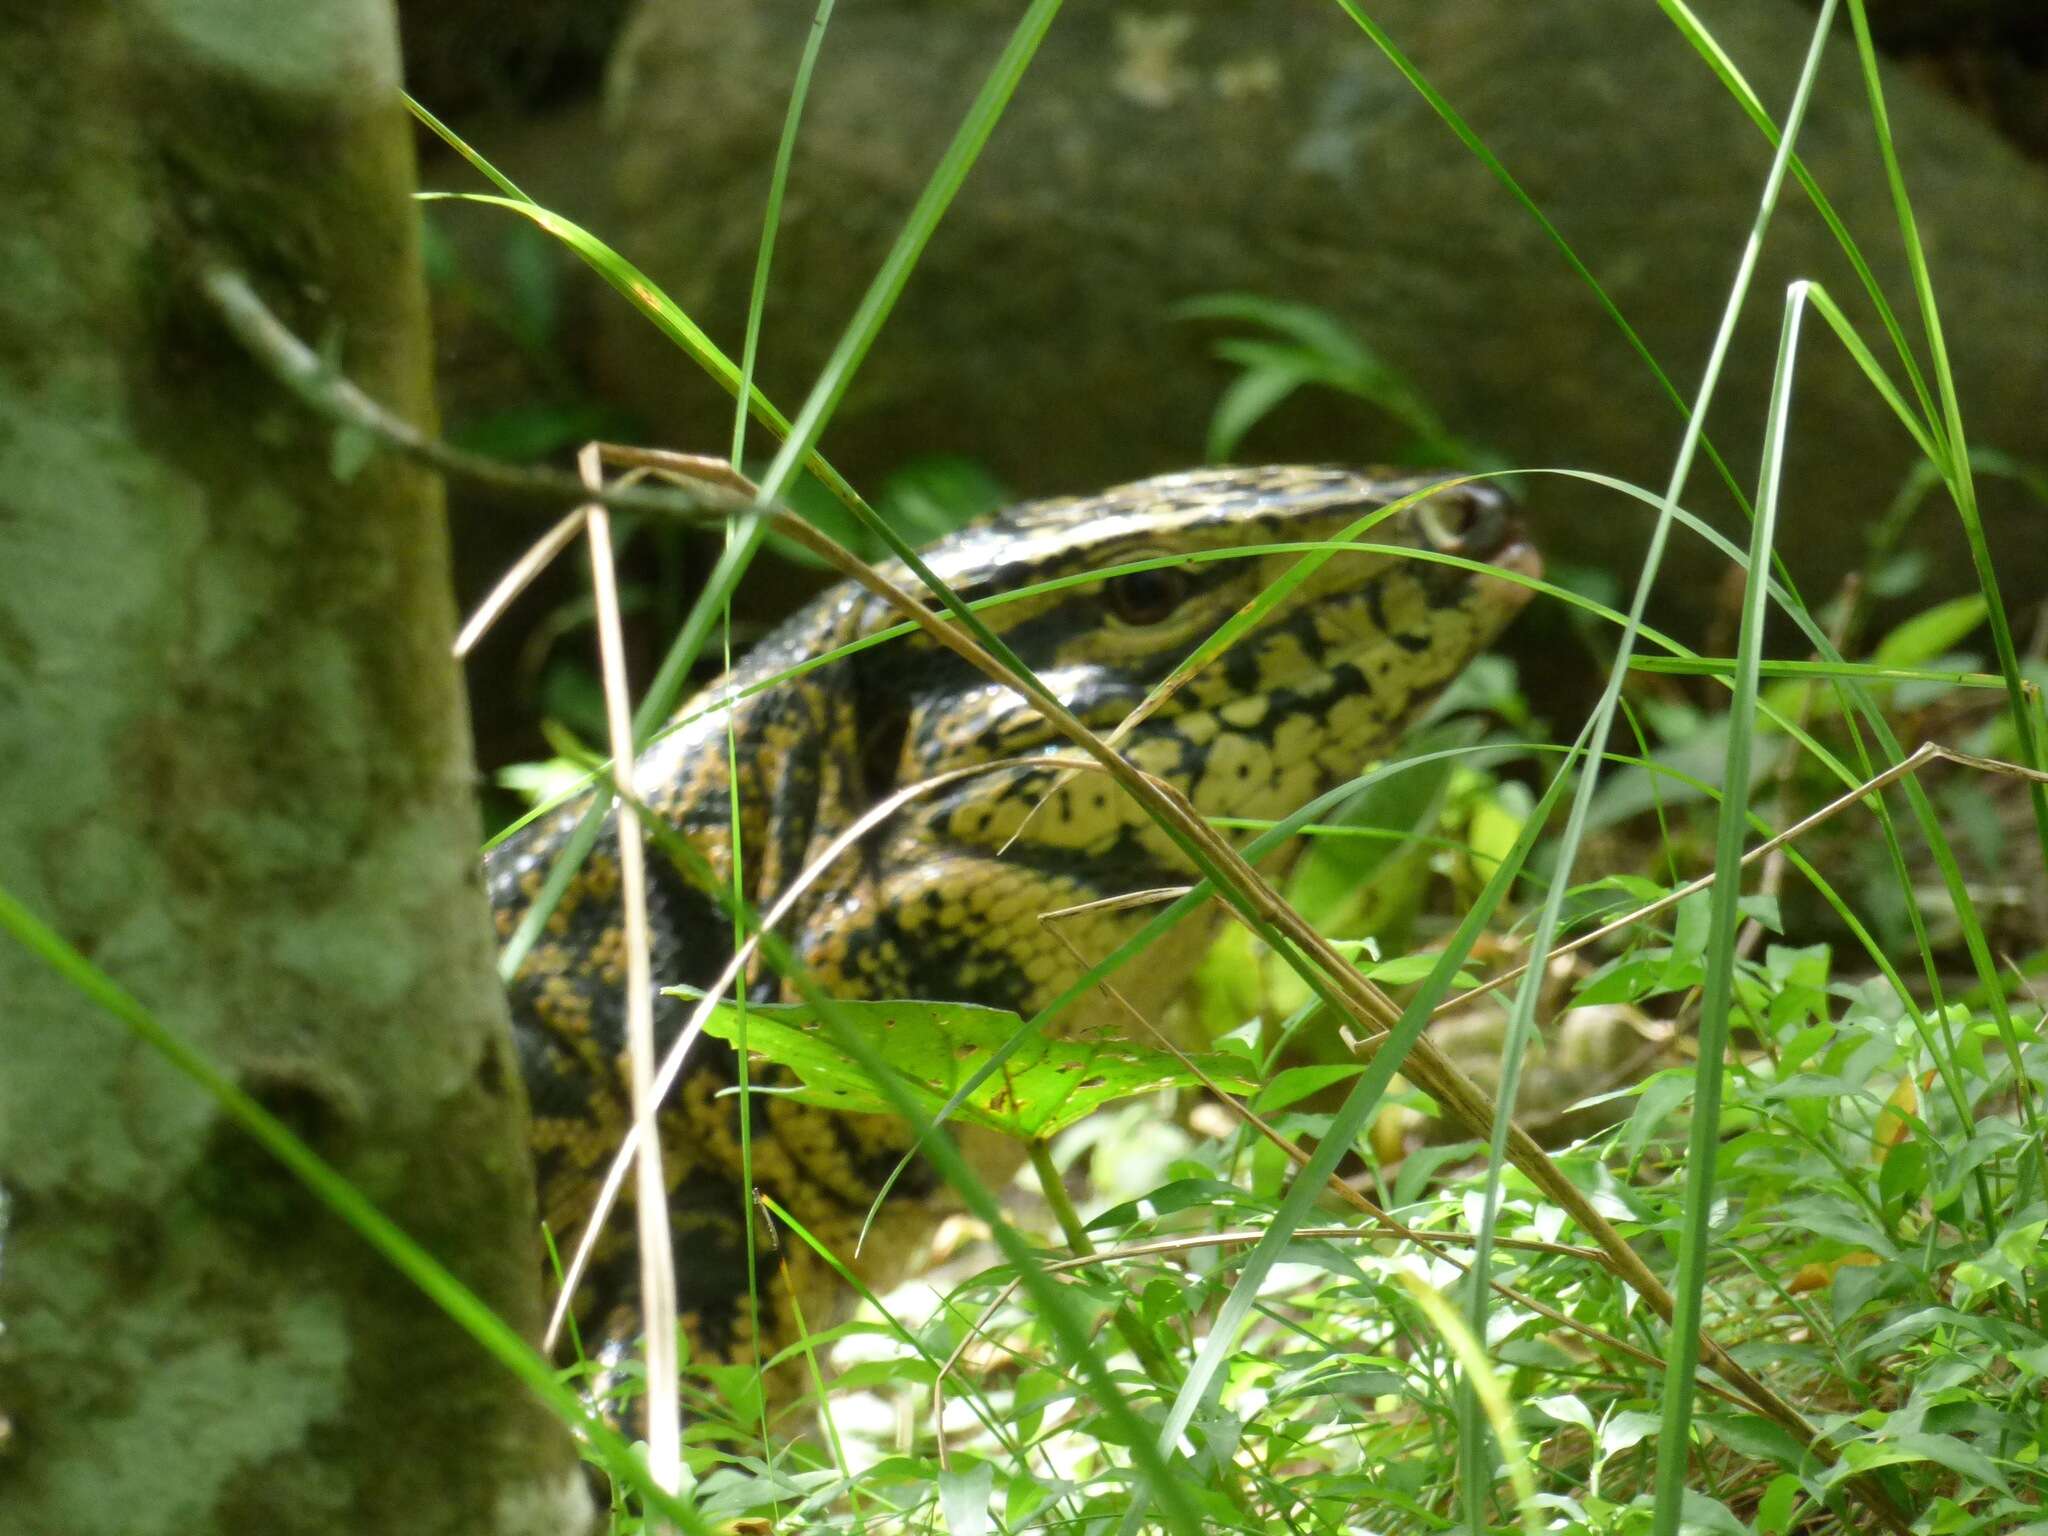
<point x="1205" y="1379"/>
<point x="771" y="221"/>
<point x="1674" y="1443"/>
<point x="1067" y="1325"/>
<point x="327" y="1185"/>
<point x="1962" y="485"/>
<point x="1522" y="1017"/>
<point x="1469" y="137"/>
<point x="801" y="439"/>
<point x="1731" y="78"/>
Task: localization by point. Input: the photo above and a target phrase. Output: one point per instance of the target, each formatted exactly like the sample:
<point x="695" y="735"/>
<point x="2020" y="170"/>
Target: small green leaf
<point x="1774" y="1510"/>
<point x="1706" y="1516"/>
<point x="353" y="447"/>
<point x="1626" y="1429"/>
<point x="1406" y="970"/>
<point x="1689" y="926"/>
<point x="1294" y="1084"/>
<point x="1902" y="1177"/>
<point x="1624" y="980"/>
<point x="1566" y="1410"/>
<point x="1755" y="1437"/>
<point x="964" y="1489"/>
<point x="1496" y="822"/>
<point x="2020" y="1246"/>
<point x="1248" y="399"/>
<point x="1762" y="908"/>
<point x="1661" y="1095"/>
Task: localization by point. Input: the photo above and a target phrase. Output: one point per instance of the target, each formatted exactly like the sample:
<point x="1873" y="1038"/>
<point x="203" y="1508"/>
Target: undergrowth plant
<point x="1301" y="1296"/>
<point x="1847" y="1185"/>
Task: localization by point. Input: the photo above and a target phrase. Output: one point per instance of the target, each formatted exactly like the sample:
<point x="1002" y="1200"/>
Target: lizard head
<point x="1104" y="598"/>
<point x="1326" y="670"/>
<point x="1327" y="667"/>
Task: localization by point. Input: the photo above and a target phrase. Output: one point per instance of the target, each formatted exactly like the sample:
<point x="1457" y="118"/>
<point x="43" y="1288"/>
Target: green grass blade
<point x="1674" y="1444"/>
<point x="1731" y="78"/>
<point x="801" y="438"/>
<point x="661" y="311"/>
<point x="903" y="256"/>
<point x="327" y="1185"/>
<point x="1925" y="435"/>
<point x="1478" y="146"/>
<point x="1067" y="1325"/>
<point x="771" y="221"/>
<point x="656" y="306"/>
<point x="880" y="298"/>
<point x="1485" y="1385"/>
<point x="635" y="286"/>
<point x="1544" y="938"/>
<point x="1961" y="483"/>
<point x="454" y="141"/>
<point x="1204" y="1379"/>
<point x="1155" y="928"/>
<point x="1868" y="672"/>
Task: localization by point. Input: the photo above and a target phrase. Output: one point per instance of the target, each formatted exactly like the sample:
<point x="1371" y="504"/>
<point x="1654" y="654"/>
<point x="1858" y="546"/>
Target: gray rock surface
<point x="1156" y="153"/>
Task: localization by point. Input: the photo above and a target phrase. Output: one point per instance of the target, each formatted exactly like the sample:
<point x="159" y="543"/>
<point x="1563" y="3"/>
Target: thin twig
<point x="657" y="1251"/>
<point x="517" y="579"/>
<point x="330" y="394"/>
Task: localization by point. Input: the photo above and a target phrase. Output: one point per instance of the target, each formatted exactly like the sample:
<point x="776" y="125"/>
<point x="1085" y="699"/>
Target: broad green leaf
<point x="1931" y="632"/>
<point x="1945" y="1450"/>
<point x="1045" y="1087"/>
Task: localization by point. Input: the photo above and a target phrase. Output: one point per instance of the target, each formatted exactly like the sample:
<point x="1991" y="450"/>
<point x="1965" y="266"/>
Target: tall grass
<point x="1307" y="1387"/>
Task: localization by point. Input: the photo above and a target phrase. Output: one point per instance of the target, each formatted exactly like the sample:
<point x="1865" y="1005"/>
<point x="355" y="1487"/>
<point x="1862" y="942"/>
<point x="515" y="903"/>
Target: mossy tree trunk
<point x="234" y="771"/>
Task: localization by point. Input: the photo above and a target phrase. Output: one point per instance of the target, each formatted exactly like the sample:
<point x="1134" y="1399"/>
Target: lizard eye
<point x="1466" y="521"/>
<point x="1146" y="597"/>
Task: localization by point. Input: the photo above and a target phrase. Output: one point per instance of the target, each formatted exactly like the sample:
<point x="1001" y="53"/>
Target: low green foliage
<point x="1851" y="1196"/>
<point x="1878" y="1255"/>
<point x="1046" y="1086"/>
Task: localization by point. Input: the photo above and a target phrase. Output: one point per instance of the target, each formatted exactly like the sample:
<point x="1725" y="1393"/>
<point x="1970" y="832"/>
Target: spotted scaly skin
<point x="942" y="901"/>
